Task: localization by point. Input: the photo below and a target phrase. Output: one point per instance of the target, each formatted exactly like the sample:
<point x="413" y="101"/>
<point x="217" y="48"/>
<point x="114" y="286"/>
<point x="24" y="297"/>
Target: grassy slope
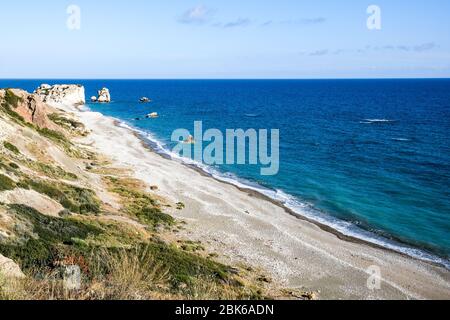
<point x="117" y="260"/>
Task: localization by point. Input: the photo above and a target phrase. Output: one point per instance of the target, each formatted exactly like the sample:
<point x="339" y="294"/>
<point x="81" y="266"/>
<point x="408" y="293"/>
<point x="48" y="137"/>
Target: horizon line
<point x="234" y="79"/>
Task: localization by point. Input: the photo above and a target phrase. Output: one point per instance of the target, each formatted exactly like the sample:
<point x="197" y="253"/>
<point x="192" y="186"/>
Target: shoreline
<point x="282" y="268"/>
<point x="429" y="257"/>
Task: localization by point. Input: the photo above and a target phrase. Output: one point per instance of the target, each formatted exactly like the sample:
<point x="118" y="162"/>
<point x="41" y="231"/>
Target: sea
<point x="369" y="158"/>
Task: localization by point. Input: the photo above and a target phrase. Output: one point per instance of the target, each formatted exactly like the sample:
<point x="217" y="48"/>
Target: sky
<point x="184" y="39"/>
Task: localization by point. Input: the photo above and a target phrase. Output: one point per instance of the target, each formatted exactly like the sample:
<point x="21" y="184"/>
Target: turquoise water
<point x="369" y="157"/>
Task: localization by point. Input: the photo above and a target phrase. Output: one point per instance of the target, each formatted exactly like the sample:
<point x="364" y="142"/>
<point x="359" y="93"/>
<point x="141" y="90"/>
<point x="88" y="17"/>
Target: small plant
<point x="65" y="122"/>
<point x="180" y="206"/>
<point x="11" y="99"/>
<point x="139" y="204"/>
<point x="5" y="107"/>
<point x="52" y="172"/>
<point x="14" y="166"/>
<point x="6" y="183"/>
<point x="11" y="147"/>
<point x="76" y="199"/>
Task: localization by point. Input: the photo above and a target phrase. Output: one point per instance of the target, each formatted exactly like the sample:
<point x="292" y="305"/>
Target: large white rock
<point x="104" y="95"/>
<point x="9" y="268"/>
<point x="62" y="94"/>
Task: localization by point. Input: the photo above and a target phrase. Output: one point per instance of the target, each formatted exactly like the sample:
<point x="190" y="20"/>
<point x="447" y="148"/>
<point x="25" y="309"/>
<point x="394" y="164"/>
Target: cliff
<point x="64" y="206"/>
<point x="57" y="95"/>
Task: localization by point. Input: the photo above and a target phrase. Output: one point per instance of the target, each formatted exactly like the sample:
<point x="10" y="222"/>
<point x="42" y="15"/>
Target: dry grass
<point x="119" y="275"/>
<point x="107" y="275"/>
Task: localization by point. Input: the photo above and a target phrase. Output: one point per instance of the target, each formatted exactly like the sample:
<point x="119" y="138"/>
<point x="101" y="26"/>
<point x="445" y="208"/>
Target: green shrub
<point x="11" y="147"/>
<point x="51" y="237"/>
<point x="65" y="122"/>
<point x="51" y="171"/>
<point x="76" y="199"/>
<point x="12" y="114"/>
<point x="185" y="267"/>
<point x="6" y="183"/>
<point x="53" y="135"/>
<point x="139" y="204"/>
<point x="14" y="166"/>
<point x="11" y="99"/>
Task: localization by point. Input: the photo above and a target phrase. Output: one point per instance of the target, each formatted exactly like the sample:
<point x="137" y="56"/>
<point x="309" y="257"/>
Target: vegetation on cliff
<point x="118" y="234"/>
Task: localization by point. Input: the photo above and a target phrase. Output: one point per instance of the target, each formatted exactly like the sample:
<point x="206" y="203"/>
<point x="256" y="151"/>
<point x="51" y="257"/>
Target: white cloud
<point x="196" y="15"/>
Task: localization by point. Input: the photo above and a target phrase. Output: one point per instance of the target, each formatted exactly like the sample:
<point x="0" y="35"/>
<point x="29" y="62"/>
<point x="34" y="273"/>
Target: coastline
<point x="358" y="236"/>
<point x="295" y="251"/>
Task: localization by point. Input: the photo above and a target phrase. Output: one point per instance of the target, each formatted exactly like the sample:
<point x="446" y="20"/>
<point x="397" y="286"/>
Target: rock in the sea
<point x="9" y="268"/>
<point x="189" y="140"/>
<point x="94" y="99"/>
<point x="144" y="100"/>
<point x="153" y="115"/>
<point x="62" y="94"/>
<point x="104" y="96"/>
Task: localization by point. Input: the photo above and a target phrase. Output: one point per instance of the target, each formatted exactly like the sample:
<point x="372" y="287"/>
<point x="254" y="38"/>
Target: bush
<point x="11" y="99"/>
<point x="76" y="199"/>
<point x="49" y="239"/>
<point x="6" y="183"/>
<point x="11" y="147"/>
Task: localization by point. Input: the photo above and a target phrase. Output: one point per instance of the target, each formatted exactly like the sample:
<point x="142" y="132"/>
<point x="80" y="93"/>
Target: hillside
<point x="63" y="204"/>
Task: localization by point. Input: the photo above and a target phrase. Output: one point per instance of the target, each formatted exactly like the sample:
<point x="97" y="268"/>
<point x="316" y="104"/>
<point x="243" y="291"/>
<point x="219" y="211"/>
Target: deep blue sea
<point x="369" y="157"/>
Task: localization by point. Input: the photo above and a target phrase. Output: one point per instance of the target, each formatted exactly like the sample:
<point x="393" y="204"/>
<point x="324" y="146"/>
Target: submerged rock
<point x="144" y="100"/>
<point x="152" y="115"/>
<point x="104" y="96"/>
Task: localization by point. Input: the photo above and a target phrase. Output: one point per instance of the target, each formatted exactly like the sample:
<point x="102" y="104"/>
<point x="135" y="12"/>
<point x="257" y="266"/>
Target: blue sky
<point x="225" y="39"/>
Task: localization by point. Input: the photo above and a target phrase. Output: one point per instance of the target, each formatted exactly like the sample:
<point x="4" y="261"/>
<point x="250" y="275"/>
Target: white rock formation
<point x="65" y="94"/>
<point x="93" y="98"/>
<point x="9" y="268"/>
<point x="104" y="95"/>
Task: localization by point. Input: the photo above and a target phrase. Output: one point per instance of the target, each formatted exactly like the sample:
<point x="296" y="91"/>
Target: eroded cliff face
<point x="56" y="95"/>
<point x="28" y="106"/>
<point x="63" y="204"/>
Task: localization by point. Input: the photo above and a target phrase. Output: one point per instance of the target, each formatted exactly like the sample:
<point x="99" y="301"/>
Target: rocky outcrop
<point x="144" y="100"/>
<point x="9" y="268"/>
<point x="29" y="106"/>
<point x="65" y="94"/>
<point x="93" y="99"/>
<point x="104" y="96"/>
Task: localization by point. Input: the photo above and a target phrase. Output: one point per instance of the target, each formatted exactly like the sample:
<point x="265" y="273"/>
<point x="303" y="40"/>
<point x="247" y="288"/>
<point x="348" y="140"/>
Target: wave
<point x="401" y="139"/>
<point x="252" y="115"/>
<point x="373" y="121"/>
<point x="301" y="209"/>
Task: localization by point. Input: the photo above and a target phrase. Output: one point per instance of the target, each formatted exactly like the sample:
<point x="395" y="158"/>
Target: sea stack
<point x="104" y="95"/>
